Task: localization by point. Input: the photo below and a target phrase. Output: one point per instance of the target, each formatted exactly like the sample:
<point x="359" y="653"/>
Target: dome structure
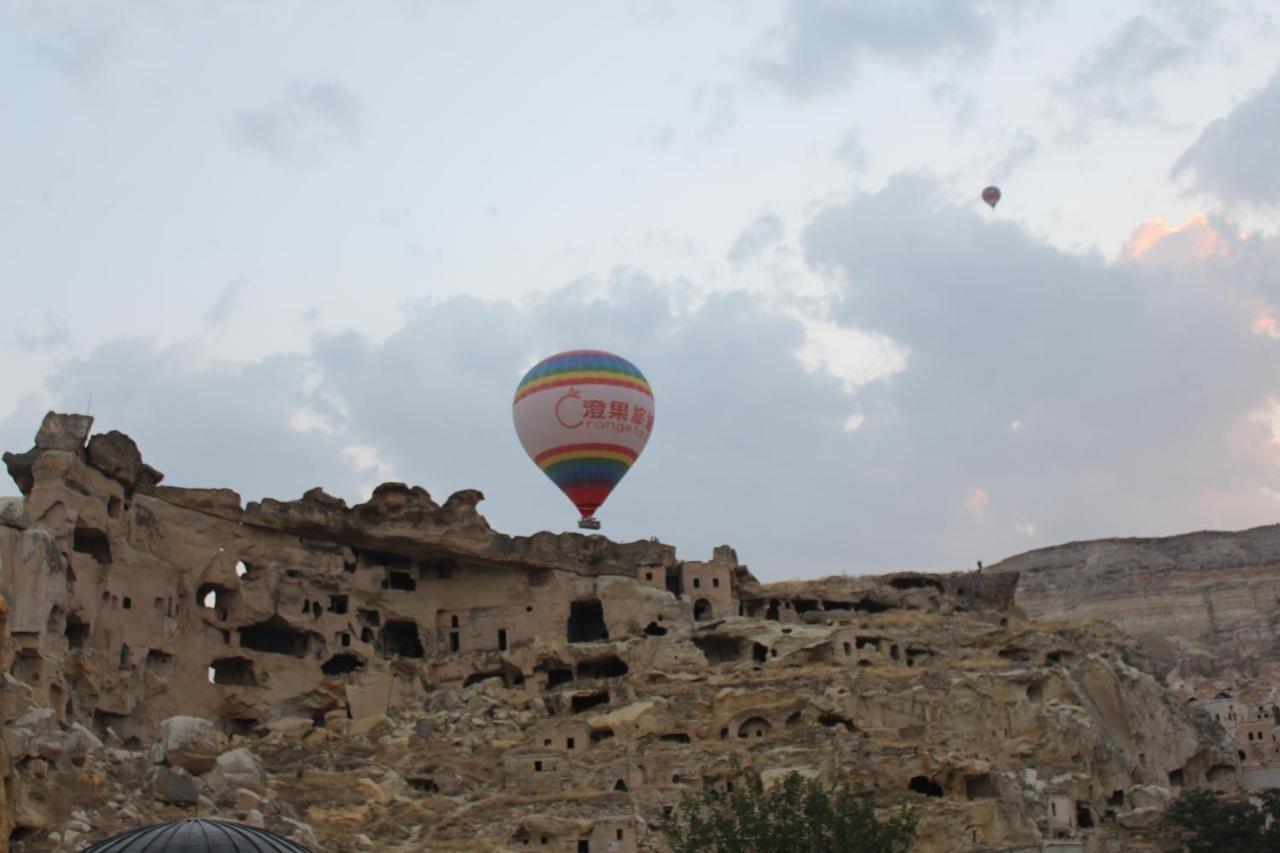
<point x="196" y="835"/>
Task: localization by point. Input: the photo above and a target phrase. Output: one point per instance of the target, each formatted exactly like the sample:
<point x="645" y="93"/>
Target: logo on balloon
<point x="574" y="394"/>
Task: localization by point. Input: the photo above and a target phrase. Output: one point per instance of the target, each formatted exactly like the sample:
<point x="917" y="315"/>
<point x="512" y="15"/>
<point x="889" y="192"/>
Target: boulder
<point x="175" y="786"/>
<point x="241" y="767"/>
<point x="63" y="432"/>
<point x="116" y="455"/>
<point x="191" y="743"/>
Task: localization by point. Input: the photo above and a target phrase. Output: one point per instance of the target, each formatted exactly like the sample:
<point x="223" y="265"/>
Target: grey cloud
<point x="1115" y="80"/>
<point x="1133" y="388"/>
<point x="852" y="152"/>
<point x="219" y="425"/>
<point x="220" y="311"/>
<point x="1023" y="148"/>
<point x="1234" y="158"/>
<point x="755" y="238"/>
<point x="53" y="333"/>
<point x="820" y="43"/>
<point x="1124" y="380"/>
<point x="310" y="119"/>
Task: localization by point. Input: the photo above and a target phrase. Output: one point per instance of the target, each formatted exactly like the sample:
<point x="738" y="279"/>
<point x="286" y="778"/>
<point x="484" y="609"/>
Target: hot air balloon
<point x="583" y="417"/>
<point x="991" y="195"/>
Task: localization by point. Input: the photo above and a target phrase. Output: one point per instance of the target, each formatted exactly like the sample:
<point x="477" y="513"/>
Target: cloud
<point x="819" y="44"/>
<point x="764" y="232"/>
<point x="311" y="119"/>
<point x="220" y="311"/>
<point x="1132" y="386"/>
<point x="53" y="333"/>
<point x="852" y="152"/>
<point x="1234" y="158"/>
<point x="1116" y="80"/>
<point x="1097" y="398"/>
<point x="1023" y="148"/>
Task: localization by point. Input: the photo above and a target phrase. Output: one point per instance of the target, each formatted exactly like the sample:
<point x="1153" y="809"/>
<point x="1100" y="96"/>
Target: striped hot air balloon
<point x="583" y="417"/>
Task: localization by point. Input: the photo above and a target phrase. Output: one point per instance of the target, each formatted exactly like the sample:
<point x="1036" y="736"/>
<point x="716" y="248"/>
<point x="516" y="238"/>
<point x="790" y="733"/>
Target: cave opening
<point x="586" y="621"/>
<point x="274" y="636"/>
<point x="399" y="638"/>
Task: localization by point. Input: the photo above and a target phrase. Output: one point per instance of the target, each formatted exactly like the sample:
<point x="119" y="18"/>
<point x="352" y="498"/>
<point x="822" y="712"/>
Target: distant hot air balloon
<point x="991" y="195"/>
<point x="583" y="417"/>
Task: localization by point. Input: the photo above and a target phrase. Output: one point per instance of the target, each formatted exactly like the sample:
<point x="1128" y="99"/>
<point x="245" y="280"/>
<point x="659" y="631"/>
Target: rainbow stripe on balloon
<point x="586" y="472"/>
<point x="582" y="367"/>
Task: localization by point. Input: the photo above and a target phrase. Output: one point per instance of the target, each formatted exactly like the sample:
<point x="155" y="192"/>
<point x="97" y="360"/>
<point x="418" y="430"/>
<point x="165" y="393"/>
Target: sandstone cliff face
<point x="398" y="676"/>
<point x="1204" y="605"/>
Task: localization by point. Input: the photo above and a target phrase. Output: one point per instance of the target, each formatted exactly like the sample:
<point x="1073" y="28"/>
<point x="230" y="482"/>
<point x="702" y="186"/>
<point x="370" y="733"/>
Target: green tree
<point x="1207" y="822"/>
<point x="797" y="815"/>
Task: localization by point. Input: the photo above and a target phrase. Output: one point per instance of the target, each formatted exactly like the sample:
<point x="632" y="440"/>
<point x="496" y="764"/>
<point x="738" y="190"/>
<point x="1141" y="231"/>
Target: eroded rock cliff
<point x="398" y="676"/>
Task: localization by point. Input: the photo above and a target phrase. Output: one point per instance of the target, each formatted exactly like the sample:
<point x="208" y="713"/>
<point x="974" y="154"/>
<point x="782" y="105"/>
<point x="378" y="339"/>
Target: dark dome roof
<point x="196" y="835"/>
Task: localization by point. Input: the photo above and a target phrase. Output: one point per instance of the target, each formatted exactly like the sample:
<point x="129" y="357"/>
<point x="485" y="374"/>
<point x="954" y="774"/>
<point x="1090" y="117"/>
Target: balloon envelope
<point x="991" y="195"/>
<point x="583" y="417"/>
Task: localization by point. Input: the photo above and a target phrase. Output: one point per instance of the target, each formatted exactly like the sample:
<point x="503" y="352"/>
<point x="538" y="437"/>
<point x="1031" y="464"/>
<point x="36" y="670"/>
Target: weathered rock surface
<point x="1203" y="605"/>
<point x="397" y="676"/>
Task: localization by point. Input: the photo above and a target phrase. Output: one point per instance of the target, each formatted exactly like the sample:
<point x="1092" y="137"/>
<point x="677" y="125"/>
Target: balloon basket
<point x="592" y="523"/>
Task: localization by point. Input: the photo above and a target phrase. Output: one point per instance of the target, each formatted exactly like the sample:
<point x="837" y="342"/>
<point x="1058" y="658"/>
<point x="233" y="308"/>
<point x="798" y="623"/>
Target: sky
<point x="309" y="244"/>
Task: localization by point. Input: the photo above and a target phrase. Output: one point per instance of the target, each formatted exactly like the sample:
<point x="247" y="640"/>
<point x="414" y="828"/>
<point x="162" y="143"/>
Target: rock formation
<point x="1203" y="606"/>
<point x="397" y="676"/>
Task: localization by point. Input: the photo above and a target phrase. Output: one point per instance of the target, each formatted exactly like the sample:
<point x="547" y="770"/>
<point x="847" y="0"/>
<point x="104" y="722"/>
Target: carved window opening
<point x="124" y="656"/>
<point x="212" y="596"/>
<point x="719" y="650"/>
<point x="610" y="667"/>
<point x="502" y="639"/>
<point x="620" y="785"/>
<point x="557" y="676"/>
<point x="756" y="727"/>
<point x="400" y="639"/>
<point x="337" y="604"/>
<point x="274" y="636"/>
<point x="586" y="622"/>
<point x="1084" y="816"/>
<point x="235" y="671"/>
<point x="77" y="632"/>
<point x="369" y="617"/>
<point x="94" y="542"/>
<point x="242" y="568"/>
<point x="568" y="743"/>
<point x="160" y="661"/>
<point x="982" y="787"/>
<point x="925" y="785"/>
<point x="402" y="581"/>
<point x="701" y="610"/>
<point x="583" y="701"/>
<point x="697" y="583"/>
<point x="653" y="629"/>
<point x="772" y="611"/>
<point x="127" y="603"/>
<point x="676" y="737"/>
<point x="455" y="641"/>
<point x="341" y="664"/>
<point x="759" y="653"/>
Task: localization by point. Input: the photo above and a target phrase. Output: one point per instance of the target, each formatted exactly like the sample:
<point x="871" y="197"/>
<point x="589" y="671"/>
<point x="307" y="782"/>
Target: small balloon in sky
<point x="583" y="417"/>
<point x="991" y="195"/>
